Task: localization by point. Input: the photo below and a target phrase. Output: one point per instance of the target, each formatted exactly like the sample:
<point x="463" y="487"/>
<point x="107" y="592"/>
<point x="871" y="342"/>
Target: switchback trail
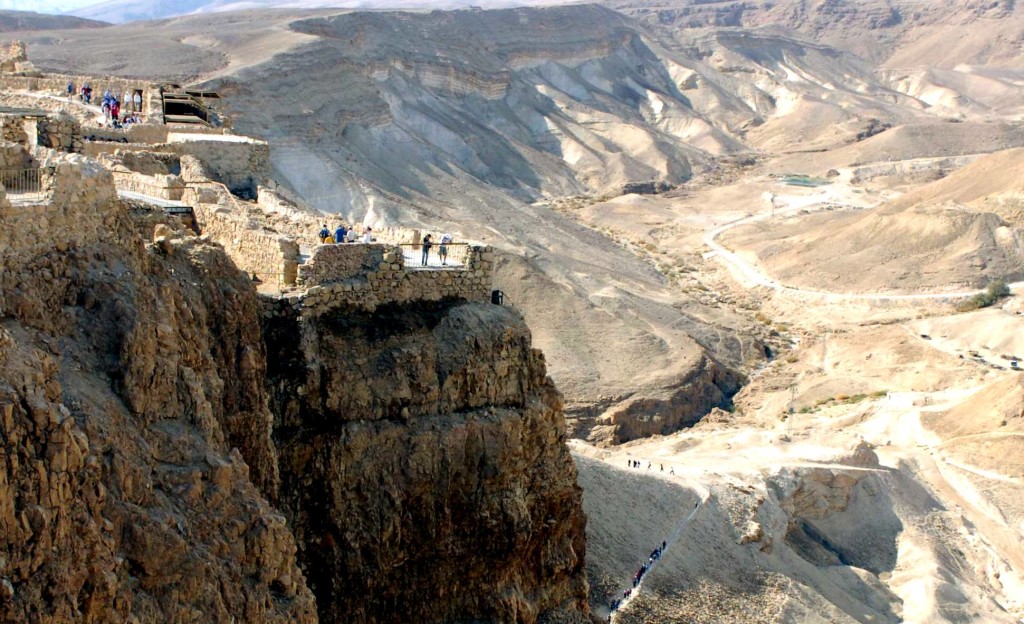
<point x="668" y="544"/>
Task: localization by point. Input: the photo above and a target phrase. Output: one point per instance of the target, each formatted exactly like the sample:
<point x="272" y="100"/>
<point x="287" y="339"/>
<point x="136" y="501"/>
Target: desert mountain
<point x="479" y="119"/>
<point x="695" y="205"/>
<point x="962" y="230"/>
<point x="895" y="33"/>
<point x="15" y="21"/>
<point x="119" y="11"/>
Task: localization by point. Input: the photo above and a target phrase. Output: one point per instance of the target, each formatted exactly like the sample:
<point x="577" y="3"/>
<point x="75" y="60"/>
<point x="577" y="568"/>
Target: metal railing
<point x="438" y="256"/>
<point x="23" y="185"/>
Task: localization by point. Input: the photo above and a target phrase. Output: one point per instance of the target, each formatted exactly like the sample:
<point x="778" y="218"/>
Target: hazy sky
<point x="60" y="6"/>
<point x="44" y="6"/>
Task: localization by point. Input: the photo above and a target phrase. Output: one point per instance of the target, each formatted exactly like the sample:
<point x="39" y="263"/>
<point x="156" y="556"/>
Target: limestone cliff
<point x="135" y="433"/>
<point x="423" y="466"/>
<point x="416" y="451"/>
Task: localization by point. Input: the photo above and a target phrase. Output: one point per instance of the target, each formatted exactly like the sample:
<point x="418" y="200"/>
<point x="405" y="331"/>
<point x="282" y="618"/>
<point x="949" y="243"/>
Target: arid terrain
<point x="745" y="235"/>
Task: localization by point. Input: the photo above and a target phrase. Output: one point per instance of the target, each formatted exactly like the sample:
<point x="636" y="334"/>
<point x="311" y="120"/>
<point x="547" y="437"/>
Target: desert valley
<point x="730" y="327"/>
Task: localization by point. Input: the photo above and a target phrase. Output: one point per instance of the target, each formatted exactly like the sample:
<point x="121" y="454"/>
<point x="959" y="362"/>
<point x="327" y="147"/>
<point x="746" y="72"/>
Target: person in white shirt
<point x="442" y="251"/>
<point x="368" y="235"/>
<point x="351" y="236"/>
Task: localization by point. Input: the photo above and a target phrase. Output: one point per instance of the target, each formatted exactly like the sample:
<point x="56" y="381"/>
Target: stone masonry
<point x="362" y="277"/>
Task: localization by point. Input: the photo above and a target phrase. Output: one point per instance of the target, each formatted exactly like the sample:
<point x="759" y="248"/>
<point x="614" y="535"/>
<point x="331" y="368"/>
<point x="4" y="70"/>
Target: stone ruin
<point x="15" y="59"/>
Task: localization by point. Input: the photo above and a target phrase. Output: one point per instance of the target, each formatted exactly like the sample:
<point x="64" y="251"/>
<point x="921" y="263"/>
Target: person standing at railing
<point x="368" y="235"/>
<point x="71" y="89"/>
<point x="442" y="251"/>
<point x="339" y="234"/>
<point x="351" y="236"/>
<point x="427" y="243"/>
<point x="324" y="234"/>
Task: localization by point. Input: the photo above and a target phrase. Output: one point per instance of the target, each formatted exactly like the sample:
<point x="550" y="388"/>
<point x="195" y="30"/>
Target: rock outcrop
<point x="423" y="466"/>
<point x="417" y="454"/>
<point x="136" y="436"/>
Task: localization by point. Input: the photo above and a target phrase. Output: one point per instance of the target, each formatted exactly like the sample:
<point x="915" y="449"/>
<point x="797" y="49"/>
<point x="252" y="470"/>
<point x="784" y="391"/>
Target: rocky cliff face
<point x="424" y="467"/>
<point x="420" y="461"/>
<point x="136" y="437"/>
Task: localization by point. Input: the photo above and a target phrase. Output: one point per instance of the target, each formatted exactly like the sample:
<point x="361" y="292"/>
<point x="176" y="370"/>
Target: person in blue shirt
<point x="339" y="234"/>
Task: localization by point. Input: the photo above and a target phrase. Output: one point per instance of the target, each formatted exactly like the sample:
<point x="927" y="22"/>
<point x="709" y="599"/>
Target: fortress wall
<point x="59" y="132"/>
<point x="271" y="256"/>
<point x="82" y="211"/>
<point x="56" y="131"/>
<point x="240" y="165"/>
<point x="57" y="84"/>
<point x="14" y="156"/>
<point x="362" y="277"/>
<point x="163" y="186"/>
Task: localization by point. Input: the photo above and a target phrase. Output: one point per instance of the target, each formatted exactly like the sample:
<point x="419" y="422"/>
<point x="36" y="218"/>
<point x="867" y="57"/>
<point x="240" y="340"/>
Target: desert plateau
<point x="625" y="311"/>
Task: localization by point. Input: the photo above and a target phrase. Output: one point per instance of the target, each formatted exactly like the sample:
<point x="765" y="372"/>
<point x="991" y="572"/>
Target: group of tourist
<point x="644" y="569"/>
<point x="117" y="113"/>
<point x="442" y="248"/>
<point x="344" y="234"/>
<point x="347" y="234"/>
<point x="632" y="463"/>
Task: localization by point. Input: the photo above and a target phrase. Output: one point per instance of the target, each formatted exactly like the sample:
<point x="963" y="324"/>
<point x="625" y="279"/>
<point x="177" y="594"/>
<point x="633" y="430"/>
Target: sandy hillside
<point x="18" y="21"/>
<point x="959" y="231"/>
<point x="886" y="496"/>
<point x="897" y="33"/>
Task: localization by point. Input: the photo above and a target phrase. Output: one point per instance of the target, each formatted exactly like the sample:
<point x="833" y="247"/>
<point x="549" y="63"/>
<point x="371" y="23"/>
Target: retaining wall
<point x="271" y="256"/>
<point x="363" y="277"/>
<point x="81" y="211"/>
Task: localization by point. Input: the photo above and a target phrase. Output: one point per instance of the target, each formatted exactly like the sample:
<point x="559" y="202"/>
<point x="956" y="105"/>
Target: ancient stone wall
<point x="144" y="134"/>
<point x="14" y="156"/>
<point x="241" y="165"/>
<point x="363" y="277"/>
<point x="57" y="84"/>
<point x="162" y="186"/>
<point x="13" y="129"/>
<point x="59" y="132"/>
<point x="77" y="214"/>
<point x="271" y="256"/>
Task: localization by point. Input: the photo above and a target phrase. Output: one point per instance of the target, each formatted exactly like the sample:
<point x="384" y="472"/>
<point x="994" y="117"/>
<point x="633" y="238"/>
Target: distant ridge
<point x="15" y="21"/>
<point x="120" y="11"/>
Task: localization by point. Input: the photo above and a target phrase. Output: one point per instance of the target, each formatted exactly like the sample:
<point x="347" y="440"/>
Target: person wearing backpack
<point x="325" y="234"/>
<point x="427" y="243"/>
<point x="442" y="251"/>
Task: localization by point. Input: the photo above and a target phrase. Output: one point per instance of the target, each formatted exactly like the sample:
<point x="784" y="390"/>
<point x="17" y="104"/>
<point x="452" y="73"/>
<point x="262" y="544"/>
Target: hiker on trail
<point x="324" y="234"/>
<point x="351" y="236"/>
<point x="427" y="242"/>
<point x="115" y="109"/>
<point x="663" y="545"/>
<point x="339" y="234"/>
<point x="662" y="467"/>
<point x="672" y="470"/>
<point x="648" y="465"/>
<point x="368" y="235"/>
<point x="87" y="93"/>
<point x="442" y="251"/>
<point x="105" y="107"/>
<point x="71" y="89"/>
<point x="107" y="95"/>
